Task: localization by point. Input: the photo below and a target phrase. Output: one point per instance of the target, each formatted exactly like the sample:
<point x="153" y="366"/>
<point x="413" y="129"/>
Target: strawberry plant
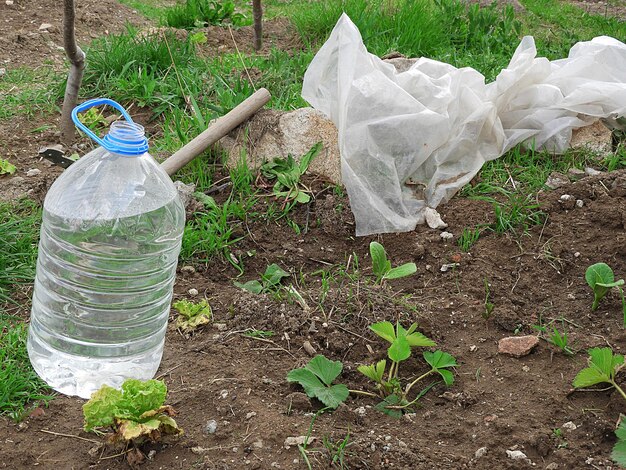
<point x="603" y="366"/>
<point x="601" y="279"/>
<point x="136" y="413"/>
<point x="192" y="315"/>
<point x="269" y="282"/>
<point x="317" y="377"/>
<point x="395" y="397"/>
<point x="382" y="266"/>
<point x="619" y="449"/>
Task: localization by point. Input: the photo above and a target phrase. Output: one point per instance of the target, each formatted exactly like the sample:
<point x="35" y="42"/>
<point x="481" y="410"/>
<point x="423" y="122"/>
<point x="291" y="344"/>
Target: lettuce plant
<point x="136" y="413"/>
<point x="192" y="315"/>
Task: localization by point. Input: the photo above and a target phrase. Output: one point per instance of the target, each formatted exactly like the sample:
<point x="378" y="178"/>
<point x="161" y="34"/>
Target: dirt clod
<point x="517" y="346"/>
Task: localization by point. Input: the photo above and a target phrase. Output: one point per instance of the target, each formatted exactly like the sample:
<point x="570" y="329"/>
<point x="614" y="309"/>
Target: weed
<point x="317" y="377"/>
<point x="287" y="173"/>
<point x="337" y="451"/>
<point x="199" y="13"/>
<point x="518" y="213"/>
<point x="6" y="167"/>
<point x="19" y="384"/>
<point x="269" y="282"/>
<point x="487" y="304"/>
<point x="254" y="333"/>
<point x="468" y="237"/>
<point x="601" y="279"/>
<point x="192" y="315"/>
<point x="556" y="338"/>
<point x="381" y="266"/>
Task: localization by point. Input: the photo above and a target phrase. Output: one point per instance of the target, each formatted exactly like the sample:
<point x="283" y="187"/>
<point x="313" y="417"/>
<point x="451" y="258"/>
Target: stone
<point x="272" y="133"/>
<point x="480" y="452"/>
<point x="210" y="427"/>
<point x="556" y="180"/>
<point x="401" y="64"/>
<point x="33" y="172"/>
<point x="516" y="455"/>
<point x="185" y="191"/>
<point x="46" y="27"/>
<point x="250" y="415"/>
<point x="592" y="171"/>
<point x="9" y="2"/>
<point x="2" y="71"/>
<point x="298" y="441"/>
<point x="580" y="203"/>
<point x="446" y="235"/>
<point x="569" y="426"/>
<point x="193" y="292"/>
<point x="517" y="346"/>
<point x="447" y="267"/>
<point x="433" y="219"/>
<point x="188" y="269"/>
<point x="576" y="174"/>
<point x="552" y="466"/>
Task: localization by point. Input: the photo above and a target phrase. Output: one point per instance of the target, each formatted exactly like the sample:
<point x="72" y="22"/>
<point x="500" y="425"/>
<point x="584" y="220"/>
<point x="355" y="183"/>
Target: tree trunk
<point x="257" y="13"/>
<point x="75" y="76"/>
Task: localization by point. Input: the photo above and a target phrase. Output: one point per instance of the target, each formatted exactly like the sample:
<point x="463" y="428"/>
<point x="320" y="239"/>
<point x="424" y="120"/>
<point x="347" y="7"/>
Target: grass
<point x="194" y="13"/>
<point x="19" y="233"/>
<point x="19" y="384"/>
<point x="25" y="91"/>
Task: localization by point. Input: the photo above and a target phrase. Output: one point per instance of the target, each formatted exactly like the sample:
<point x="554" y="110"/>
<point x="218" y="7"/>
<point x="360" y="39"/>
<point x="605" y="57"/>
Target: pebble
<point x="2" y="71"/>
<point x="45" y="27"/>
<point x="433" y="219"/>
<point x="480" y="452"/>
<point x="446" y="235"/>
<point x="580" y="203"/>
<point x="516" y="455"/>
<point x="473" y="348"/>
<point x="151" y="454"/>
<point x="210" y="427"/>
<point x="297" y="441"/>
<point x="517" y="346"/>
<point x="188" y="269"/>
<point x="193" y="292"/>
<point x="220" y="327"/>
<point x="526" y="369"/>
<point x="592" y="171"/>
<point x="569" y="426"/>
<point x="552" y="466"/>
<point x="360" y="411"/>
<point x="446" y="267"/>
<point x="250" y="415"/>
<point x="556" y="180"/>
<point x="223" y="394"/>
<point x="33" y="172"/>
<point x="9" y="2"/>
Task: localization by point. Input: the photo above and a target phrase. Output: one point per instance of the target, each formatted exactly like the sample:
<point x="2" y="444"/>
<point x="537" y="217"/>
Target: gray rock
<point x="552" y="466"/>
<point x="272" y="133"/>
<point x="185" y="191"/>
<point x="556" y="180"/>
<point x="516" y="455"/>
<point x="33" y="172"/>
<point x="480" y="452"/>
<point x="210" y="427"/>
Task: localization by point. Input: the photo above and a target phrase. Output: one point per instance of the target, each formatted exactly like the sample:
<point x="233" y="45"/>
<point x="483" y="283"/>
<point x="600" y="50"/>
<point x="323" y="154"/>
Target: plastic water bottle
<point x="110" y="238"/>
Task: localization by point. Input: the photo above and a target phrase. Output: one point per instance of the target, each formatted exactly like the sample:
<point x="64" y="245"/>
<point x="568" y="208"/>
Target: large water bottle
<point x="110" y="238"/>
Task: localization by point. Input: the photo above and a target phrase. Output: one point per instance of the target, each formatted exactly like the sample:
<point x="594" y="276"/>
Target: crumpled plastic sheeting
<point x="409" y="141"/>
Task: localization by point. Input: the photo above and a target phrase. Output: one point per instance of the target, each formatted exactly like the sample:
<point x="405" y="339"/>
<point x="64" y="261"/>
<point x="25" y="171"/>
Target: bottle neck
<point x="126" y="138"/>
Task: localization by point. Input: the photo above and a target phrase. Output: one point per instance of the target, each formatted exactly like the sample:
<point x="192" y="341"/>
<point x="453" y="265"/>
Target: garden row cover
<point x="411" y="140"/>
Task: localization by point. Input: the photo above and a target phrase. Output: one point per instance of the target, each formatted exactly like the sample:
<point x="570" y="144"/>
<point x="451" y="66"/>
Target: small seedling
<point x="337" y="450"/>
<point x="556" y="338"/>
<point x="269" y="282"/>
<point x="136" y="413"/>
<point x="317" y="377"/>
<point x="619" y="449"/>
<point x="287" y="173"/>
<point x="603" y="365"/>
<point x="390" y="390"/>
<point x="192" y="315"/>
<point x="6" y="167"/>
<point x="382" y="266"/>
<point x="468" y="237"/>
<point x="489" y="306"/>
<point x="601" y="279"/>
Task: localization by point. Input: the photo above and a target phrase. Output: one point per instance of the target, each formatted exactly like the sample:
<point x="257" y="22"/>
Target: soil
<point x="497" y="402"/>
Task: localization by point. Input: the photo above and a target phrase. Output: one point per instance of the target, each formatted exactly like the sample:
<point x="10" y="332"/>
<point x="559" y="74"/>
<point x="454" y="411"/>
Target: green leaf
<point x="324" y="368"/>
<point x="139" y="397"/>
<point x="599" y="273"/>
<point x="380" y="265"/>
<point x="448" y="377"/>
<point x="273" y="275"/>
<point x="309" y="378"/>
<point x="101" y="409"/>
<point x="401" y="271"/>
<point x="251" y="286"/>
<point x="399" y="349"/>
<point x="417" y="339"/>
<point x="603" y="365"/>
<point x="308" y="157"/>
<point x="439" y="359"/>
<point x="208" y="201"/>
<point x="619" y="450"/>
<point x="302" y="197"/>
<point x="192" y="313"/>
<point x="391" y="400"/>
<point x="310" y="383"/>
<point x="374" y="371"/>
<point x="6" y="167"/>
<point x="385" y="330"/>
<point x="333" y="396"/>
<point x="617" y="283"/>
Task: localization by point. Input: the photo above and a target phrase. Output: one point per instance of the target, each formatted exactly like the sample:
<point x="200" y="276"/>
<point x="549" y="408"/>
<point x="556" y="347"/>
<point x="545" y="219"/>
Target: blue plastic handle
<point x="90" y="104"/>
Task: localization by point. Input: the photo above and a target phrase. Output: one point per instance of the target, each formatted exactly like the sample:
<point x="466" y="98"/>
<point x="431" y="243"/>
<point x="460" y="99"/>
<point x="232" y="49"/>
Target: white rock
<point x="446" y="235"/>
<point x="592" y="171"/>
<point x="569" y="426"/>
<point x="185" y="191"/>
<point x="473" y="348"/>
<point x="566" y="197"/>
<point x="9" y="2"/>
<point x="447" y="267"/>
<point x="250" y="415"/>
<point x="552" y="466"/>
<point x="210" y="427"/>
<point x="516" y="455"/>
<point x="33" y="172"/>
<point x="480" y="452"/>
<point x="193" y="292"/>
<point x="360" y="411"/>
<point x="45" y="27"/>
<point x="433" y="219"/>
<point x="2" y="71"/>
<point x="580" y="203"/>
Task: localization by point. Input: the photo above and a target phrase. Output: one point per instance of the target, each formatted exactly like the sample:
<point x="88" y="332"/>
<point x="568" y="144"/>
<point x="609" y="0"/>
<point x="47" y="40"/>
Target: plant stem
<point x="619" y="389"/>
<point x="408" y="387"/>
<point x="621" y="292"/>
<point x="361" y="392"/>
